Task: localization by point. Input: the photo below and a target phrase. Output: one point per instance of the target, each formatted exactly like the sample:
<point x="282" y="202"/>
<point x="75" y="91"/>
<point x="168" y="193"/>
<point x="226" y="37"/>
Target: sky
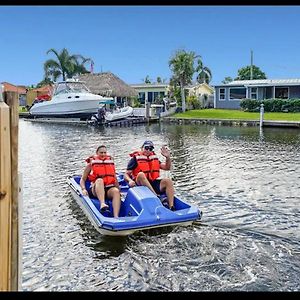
<point x="133" y="42"/>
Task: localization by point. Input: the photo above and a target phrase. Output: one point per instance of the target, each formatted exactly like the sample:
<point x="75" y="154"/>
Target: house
<point x="203" y="92"/>
<point x="151" y="92"/>
<point x="230" y="94"/>
<point x="108" y="84"/>
<point x="19" y="89"/>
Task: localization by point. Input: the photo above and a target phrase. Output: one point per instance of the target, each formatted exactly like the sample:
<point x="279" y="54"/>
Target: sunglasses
<point x="150" y="148"/>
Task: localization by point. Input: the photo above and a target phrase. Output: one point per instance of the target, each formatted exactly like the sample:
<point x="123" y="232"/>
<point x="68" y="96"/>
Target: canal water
<point x="246" y="183"/>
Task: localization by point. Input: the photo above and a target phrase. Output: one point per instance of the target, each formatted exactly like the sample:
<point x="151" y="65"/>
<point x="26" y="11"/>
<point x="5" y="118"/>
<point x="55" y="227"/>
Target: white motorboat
<point x="118" y="113"/>
<point x="71" y="99"/>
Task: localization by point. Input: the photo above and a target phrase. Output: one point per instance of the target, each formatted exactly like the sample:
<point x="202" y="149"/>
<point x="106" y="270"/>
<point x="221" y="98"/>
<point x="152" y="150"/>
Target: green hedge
<point x="271" y="105"/>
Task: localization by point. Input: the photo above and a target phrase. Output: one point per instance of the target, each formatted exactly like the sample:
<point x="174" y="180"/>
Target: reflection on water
<point x="245" y="181"/>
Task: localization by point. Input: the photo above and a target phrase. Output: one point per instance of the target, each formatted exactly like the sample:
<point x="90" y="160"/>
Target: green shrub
<point x="271" y="105"/>
<point x="193" y="102"/>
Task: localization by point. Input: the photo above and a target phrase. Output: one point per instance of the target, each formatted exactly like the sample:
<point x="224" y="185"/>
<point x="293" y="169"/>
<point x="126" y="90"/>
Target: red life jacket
<point x="102" y="168"/>
<point x="149" y="165"/>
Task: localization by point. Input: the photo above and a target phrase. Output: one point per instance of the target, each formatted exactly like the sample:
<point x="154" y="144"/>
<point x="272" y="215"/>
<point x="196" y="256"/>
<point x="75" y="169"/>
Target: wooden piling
<point x="9" y="193"/>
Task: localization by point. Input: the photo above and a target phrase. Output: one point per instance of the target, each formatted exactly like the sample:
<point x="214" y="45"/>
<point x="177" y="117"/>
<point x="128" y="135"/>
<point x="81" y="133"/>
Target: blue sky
<point x="135" y="41"/>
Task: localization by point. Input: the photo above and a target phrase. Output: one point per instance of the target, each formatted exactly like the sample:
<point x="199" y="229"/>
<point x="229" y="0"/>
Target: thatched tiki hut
<point x="108" y="84"/>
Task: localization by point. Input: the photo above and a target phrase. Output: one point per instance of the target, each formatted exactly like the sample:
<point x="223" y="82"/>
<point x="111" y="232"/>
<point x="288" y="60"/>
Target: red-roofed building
<point x="20" y="89"/>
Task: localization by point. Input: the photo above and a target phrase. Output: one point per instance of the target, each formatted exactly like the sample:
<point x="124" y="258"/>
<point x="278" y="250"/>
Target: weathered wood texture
<point x="5" y="199"/>
<point x="9" y="187"/>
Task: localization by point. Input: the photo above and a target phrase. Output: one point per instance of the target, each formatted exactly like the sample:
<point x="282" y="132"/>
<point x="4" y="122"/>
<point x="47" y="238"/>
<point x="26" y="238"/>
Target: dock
<point x="130" y="121"/>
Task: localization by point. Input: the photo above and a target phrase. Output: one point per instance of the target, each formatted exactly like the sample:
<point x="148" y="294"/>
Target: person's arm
<point x="128" y="178"/>
<point x="128" y="174"/>
<point x="83" y="178"/>
<point x="167" y="164"/>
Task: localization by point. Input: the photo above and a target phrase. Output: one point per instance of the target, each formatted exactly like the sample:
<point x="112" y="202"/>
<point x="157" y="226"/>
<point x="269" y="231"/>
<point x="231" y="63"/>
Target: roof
<point x="107" y="82"/>
<point x="44" y="88"/>
<point x="8" y="87"/>
<point x="150" y="85"/>
<point x="262" y="82"/>
<point x="194" y="85"/>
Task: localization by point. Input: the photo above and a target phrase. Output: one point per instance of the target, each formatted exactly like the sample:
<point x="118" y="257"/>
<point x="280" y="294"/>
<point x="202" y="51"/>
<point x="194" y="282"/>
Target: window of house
<point x="253" y="93"/>
<point x="222" y="94"/>
<point x="156" y="96"/>
<point x="161" y="94"/>
<point x="150" y="96"/>
<point x="142" y="97"/>
<point x="282" y="92"/>
<point x="237" y="93"/>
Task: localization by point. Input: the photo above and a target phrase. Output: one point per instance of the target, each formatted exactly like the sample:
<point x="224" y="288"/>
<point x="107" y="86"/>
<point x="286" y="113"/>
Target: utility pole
<point x="251" y="66"/>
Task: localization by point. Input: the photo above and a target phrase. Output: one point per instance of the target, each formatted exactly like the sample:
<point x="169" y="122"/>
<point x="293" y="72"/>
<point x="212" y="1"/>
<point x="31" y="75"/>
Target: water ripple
<point x="246" y="183"/>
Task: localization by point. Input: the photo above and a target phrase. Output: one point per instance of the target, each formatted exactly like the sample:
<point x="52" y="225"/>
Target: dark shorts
<point x="155" y="184"/>
<point x="106" y="189"/>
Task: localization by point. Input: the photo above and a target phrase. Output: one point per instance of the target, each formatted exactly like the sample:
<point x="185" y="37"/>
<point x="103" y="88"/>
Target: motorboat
<point x="141" y="209"/>
<point x="70" y="99"/>
<point x="118" y="113"/>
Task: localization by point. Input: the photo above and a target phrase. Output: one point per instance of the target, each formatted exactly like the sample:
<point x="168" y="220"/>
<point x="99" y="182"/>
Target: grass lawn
<point x="236" y="114"/>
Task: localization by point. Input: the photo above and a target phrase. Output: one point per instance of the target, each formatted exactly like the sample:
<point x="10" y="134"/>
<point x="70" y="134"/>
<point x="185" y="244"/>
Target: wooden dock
<point x="131" y="121"/>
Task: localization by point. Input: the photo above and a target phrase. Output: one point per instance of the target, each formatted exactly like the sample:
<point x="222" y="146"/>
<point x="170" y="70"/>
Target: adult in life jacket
<point x="101" y="172"/>
<point x="144" y="169"/>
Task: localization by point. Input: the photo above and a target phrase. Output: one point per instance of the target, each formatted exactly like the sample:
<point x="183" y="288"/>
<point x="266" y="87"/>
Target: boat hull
<point x="71" y="105"/>
<point x="123" y="113"/>
<point x="140" y="210"/>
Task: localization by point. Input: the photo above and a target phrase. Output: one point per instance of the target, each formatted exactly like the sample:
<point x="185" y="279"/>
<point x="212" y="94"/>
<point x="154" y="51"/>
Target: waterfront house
<point x="151" y="92"/>
<point x="108" y="84"/>
<point x="203" y="92"/>
<point x="230" y="94"/>
<point x="19" y="89"/>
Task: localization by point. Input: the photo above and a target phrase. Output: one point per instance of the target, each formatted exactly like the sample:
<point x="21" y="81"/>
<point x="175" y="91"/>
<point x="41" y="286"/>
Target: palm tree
<point x="204" y="73"/>
<point x="182" y="66"/>
<point x="66" y="65"/>
<point x="147" y="79"/>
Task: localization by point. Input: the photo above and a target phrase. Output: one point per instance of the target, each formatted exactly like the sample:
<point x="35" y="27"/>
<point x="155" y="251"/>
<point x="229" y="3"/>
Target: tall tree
<point x="245" y="73"/>
<point x="182" y="66"/>
<point x="204" y="73"/>
<point x="65" y="65"/>
<point x="227" y="80"/>
<point x="45" y="81"/>
<point x="147" y="79"/>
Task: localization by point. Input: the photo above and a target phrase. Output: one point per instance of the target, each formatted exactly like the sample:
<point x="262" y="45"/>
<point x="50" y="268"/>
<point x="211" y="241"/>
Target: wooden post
<point x="9" y="192"/>
<point x="5" y="198"/>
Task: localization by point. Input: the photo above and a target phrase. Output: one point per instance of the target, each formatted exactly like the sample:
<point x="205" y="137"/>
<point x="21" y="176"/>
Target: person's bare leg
<point x="114" y="194"/>
<point x="166" y="185"/>
<point x="98" y="190"/>
<point x="141" y="179"/>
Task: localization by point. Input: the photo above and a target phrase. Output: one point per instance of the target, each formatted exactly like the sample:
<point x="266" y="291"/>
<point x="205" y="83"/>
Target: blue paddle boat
<point x="140" y="209"/>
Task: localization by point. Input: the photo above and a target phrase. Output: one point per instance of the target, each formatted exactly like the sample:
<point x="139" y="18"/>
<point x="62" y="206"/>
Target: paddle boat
<point x="140" y="209"/>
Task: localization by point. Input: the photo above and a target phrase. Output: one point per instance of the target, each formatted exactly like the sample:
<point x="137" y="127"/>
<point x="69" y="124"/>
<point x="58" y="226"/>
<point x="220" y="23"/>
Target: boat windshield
<point x="71" y="87"/>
